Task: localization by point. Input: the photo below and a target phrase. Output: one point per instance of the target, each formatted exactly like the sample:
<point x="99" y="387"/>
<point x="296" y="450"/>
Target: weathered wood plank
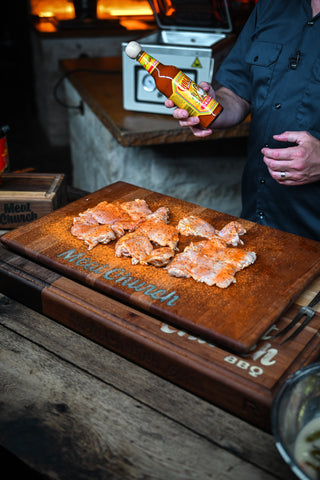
<point x="68" y="422"/>
<point x="223" y="431"/>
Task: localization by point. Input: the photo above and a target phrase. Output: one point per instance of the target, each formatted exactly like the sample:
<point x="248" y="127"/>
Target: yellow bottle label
<point x="189" y="96"/>
<point x="148" y="62"/>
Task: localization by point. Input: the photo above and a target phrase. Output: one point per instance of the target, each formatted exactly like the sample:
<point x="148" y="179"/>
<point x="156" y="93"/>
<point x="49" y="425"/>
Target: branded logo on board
<point x="120" y="276"/>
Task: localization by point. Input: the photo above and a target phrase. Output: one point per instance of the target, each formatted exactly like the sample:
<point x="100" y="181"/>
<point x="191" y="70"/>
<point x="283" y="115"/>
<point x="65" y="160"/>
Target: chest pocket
<point x="308" y="113"/>
<point x="261" y="59"/>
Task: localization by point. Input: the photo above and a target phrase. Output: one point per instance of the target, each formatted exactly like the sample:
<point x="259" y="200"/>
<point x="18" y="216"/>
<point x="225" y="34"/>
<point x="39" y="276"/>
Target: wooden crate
<point x="24" y="197"/>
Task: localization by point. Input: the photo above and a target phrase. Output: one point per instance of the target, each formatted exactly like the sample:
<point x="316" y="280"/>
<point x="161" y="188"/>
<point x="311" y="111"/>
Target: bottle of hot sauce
<point x="177" y="86"/>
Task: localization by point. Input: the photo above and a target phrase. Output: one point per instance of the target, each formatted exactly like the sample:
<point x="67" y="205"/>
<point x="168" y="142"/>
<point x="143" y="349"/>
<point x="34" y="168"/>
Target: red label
<point x="4" y="157"/>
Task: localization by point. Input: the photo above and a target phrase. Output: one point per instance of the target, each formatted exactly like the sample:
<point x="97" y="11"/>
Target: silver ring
<point x="283" y="175"/>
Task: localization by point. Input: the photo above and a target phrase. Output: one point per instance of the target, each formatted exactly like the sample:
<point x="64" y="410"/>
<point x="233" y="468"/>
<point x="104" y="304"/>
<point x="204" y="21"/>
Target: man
<point x="273" y="72"/>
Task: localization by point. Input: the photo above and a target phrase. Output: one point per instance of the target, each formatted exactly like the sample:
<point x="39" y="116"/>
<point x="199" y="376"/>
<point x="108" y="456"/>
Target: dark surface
<point x="27" y="145"/>
<point x="12" y="466"/>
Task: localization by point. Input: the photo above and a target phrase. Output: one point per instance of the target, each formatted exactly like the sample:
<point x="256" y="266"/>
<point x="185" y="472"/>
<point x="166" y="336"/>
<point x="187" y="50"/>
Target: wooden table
<point x="72" y="409"/>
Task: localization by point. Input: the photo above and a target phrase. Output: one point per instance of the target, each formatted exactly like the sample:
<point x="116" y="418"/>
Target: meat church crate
<point x="24" y="197"/>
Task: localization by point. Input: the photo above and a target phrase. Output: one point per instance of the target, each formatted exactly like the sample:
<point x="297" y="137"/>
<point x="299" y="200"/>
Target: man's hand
<point x="235" y="110"/>
<point x="192" y="122"/>
<point x="296" y="165"/>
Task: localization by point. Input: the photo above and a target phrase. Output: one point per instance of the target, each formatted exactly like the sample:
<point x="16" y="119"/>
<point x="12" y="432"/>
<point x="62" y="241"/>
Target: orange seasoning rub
<point x="147" y="238"/>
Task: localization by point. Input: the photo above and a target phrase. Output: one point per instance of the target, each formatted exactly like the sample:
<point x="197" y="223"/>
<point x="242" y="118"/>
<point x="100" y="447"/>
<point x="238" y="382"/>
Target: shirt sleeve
<point x="234" y="73"/>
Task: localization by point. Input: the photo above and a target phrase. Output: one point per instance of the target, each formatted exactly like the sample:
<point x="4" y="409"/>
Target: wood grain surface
<point x="72" y="409"/>
<point x="234" y="318"/>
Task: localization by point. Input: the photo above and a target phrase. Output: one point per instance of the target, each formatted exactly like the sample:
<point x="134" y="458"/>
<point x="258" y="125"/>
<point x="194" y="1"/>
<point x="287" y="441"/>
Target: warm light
<point x="132" y="24"/>
<point x="170" y="10"/>
<point x="60" y="9"/>
<point x="46" y="14"/>
<point x="111" y="8"/>
<point x="46" y="27"/>
<point x="132" y="14"/>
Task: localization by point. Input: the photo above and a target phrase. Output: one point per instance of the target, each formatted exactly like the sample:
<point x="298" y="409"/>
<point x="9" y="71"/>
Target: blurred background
<point x="33" y="32"/>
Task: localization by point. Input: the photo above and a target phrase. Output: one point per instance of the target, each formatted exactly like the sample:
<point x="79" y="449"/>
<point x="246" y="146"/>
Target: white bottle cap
<point x="133" y="49"/>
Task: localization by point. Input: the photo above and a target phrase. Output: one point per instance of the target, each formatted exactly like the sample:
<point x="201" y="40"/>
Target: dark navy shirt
<point x="260" y="69"/>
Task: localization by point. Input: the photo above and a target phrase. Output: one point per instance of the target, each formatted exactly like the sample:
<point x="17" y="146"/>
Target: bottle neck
<point x="147" y="61"/>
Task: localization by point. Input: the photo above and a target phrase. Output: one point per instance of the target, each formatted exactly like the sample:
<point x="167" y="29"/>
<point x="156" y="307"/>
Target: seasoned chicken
<point x="196" y="226"/>
<point x="93" y="234"/>
<point x="160" y="233"/>
<point x="209" y="262"/>
<point x="107" y="221"/>
<point x="141" y="250"/>
<point x="154" y="242"/>
<point x="160" y="256"/>
<point x="193" y="225"/>
<point x="135" y="245"/>
<point x="231" y="233"/>
<point x="100" y="234"/>
<point x="137" y="209"/>
<point x="162" y="213"/>
<point x="148" y="239"/>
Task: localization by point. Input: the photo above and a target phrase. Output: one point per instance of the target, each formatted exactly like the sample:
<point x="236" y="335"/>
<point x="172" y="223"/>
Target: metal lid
<point x="197" y="15"/>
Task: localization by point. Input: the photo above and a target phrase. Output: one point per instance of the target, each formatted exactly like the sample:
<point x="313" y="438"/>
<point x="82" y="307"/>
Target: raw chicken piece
<point x="162" y="213"/>
<point x="137" y="209"/>
<point x="154" y="242"/>
<point x="86" y="217"/>
<point x="86" y="228"/>
<point x="94" y="234"/>
<point x="193" y="225"/>
<point x="210" y="263"/>
<point x="107" y="221"/>
<point x="160" y="256"/>
<point x="106" y="213"/>
<point x="231" y="232"/>
<point x="138" y="246"/>
<point x="135" y="245"/>
<point x="160" y="233"/>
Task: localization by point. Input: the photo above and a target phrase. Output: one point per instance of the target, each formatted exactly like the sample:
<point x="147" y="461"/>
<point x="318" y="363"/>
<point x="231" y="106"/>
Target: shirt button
<point x="261" y="214"/>
<point x="277" y="106"/>
<point x="262" y="180"/>
<point x="310" y="23"/>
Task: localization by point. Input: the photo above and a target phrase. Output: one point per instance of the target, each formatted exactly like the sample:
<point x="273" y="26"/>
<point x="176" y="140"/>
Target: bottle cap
<point x="133" y="49"/>
<point x="4" y="130"/>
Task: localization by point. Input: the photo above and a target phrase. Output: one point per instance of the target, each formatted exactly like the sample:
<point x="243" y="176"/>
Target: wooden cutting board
<point x="235" y="317"/>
